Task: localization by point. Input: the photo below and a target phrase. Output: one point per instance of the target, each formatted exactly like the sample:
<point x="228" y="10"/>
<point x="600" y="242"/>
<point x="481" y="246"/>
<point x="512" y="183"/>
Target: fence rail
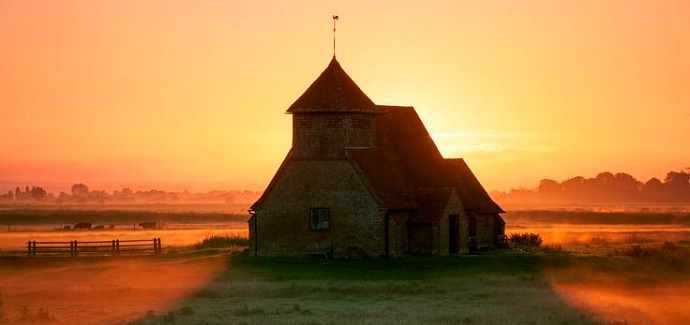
<point x="113" y="247"/>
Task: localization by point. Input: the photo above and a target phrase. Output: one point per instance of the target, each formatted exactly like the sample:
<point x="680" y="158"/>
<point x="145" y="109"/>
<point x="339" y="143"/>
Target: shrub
<point x="169" y="317"/>
<point x="635" y="251"/>
<point x="669" y="247"/>
<point x="186" y="311"/>
<point x="43" y="315"/>
<point x="222" y="241"/>
<point x="526" y="239"/>
<point x="243" y="310"/>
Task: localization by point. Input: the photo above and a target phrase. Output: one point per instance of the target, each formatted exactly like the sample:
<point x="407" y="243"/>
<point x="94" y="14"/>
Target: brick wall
<point x="282" y="222"/>
<point x="323" y="136"/>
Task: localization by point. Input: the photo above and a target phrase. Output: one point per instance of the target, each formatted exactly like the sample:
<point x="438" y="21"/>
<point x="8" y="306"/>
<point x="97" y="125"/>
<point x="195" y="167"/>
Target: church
<point x="365" y="180"/>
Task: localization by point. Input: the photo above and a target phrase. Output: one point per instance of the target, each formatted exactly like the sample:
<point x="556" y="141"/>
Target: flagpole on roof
<point x="335" y="17"/>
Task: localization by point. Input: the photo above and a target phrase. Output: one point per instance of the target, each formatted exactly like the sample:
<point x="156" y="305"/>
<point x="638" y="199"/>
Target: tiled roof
<point x="472" y="193"/>
<point x="381" y="174"/>
<point x="406" y="160"/>
<point x="333" y="92"/>
<point x="433" y="202"/>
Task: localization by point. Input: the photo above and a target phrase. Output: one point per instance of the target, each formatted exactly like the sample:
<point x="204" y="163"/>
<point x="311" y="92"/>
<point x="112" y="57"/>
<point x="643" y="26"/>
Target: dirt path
<point x="101" y="291"/>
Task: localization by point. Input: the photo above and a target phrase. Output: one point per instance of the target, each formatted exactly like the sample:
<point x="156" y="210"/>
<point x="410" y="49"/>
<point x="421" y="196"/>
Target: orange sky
<point x="195" y="91"/>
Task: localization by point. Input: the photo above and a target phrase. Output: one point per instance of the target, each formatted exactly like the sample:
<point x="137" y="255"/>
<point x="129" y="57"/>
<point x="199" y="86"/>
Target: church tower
<point x="331" y="115"/>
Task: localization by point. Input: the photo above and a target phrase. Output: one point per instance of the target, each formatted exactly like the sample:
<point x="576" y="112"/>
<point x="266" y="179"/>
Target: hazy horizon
<point x="100" y="92"/>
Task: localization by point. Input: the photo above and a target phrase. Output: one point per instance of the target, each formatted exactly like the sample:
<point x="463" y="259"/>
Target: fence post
<point x="28" y="248"/>
<point x="156" y="246"/>
<point x="34" y="250"/>
<point x="71" y="248"/>
<point x="117" y="247"/>
<point x="76" y="249"/>
<point x="112" y="247"/>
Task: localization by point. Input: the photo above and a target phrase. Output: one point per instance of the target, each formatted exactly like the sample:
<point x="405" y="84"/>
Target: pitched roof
<point x="383" y="177"/>
<point x="402" y="133"/>
<point x="333" y="92"/>
<point x="433" y="202"/>
<point x="273" y="182"/>
<point x="406" y="159"/>
<point x="472" y="193"/>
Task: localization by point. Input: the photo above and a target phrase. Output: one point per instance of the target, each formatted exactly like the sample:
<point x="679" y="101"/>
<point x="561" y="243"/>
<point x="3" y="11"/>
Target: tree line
<point x="606" y="187"/>
<point x="81" y="194"/>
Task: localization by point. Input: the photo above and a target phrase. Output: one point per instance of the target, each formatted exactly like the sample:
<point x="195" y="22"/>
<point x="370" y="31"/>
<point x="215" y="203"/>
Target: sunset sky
<point x="111" y="92"/>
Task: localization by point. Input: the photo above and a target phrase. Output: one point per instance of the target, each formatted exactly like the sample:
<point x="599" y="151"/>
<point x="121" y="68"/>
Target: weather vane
<point x="335" y="17"/>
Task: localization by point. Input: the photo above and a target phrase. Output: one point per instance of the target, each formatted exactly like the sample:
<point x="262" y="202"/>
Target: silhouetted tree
<point x="574" y="188"/>
<point x="550" y="190"/>
<point x="80" y="189"/>
<point x="678" y="186"/>
<point x="38" y="193"/>
<point x="626" y="187"/>
<point x="653" y="190"/>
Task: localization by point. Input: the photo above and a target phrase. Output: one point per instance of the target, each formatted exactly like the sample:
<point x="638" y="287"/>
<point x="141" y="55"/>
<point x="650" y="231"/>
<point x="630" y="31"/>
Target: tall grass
<point x="222" y="241"/>
<point x="526" y="239"/>
<point x="493" y="288"/>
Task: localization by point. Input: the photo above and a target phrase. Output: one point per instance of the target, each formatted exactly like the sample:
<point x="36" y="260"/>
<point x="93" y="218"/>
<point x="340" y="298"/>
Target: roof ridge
<point x="333" y="91"/>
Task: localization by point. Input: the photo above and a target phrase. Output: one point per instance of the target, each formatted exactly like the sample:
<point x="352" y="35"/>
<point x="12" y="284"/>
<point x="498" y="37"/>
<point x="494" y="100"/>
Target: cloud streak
<point x="441" y="136"/>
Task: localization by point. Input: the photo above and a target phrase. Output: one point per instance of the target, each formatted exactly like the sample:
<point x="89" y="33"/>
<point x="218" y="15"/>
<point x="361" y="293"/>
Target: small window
<point x="360" y="123"/>
<point x="334" y="123"/>
<point x="320" y="218"/>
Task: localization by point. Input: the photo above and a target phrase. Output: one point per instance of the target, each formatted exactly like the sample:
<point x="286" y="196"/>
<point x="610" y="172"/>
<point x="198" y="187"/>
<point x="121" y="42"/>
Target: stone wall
<point x="455" y="207"/>
<point x="486" y="231"/>
<point x="397" y="232"/>
<point x="324" y="136"/>
<point x="283" y="219"/>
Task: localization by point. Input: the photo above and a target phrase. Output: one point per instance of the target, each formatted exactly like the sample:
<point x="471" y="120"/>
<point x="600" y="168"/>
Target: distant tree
<point x="80" y="189"/>
<point x="38" y="193"/>
<point x="17" y="192"/>
<point x="605" y="177"/>
<point x="575" y="188"/>
<point x="63" y="197"/>
<point x="678" y="186"/>
<point x="10" y="195"/>
<point x="653" y="190"/>
<point x="677" y="179"/>
<point x="550" y="189"/>
<point x="626" y="187"/>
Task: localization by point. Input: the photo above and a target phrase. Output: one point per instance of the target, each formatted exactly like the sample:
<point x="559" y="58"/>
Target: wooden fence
<point x="114" y="247"/>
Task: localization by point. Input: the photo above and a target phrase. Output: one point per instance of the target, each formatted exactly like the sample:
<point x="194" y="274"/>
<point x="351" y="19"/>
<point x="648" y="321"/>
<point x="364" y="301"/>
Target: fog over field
<point x="592" y="268"/>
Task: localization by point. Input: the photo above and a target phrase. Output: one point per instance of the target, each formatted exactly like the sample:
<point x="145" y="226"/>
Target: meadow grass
<point x="517" y="286"/>
<point x="498" y="288"/>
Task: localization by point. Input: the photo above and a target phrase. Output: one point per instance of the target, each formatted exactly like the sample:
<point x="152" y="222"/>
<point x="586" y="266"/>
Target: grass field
<point x="631" y="282"/>
<point x="209" y="287"/>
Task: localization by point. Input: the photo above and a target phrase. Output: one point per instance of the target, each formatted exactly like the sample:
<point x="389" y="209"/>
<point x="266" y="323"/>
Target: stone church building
<point x="366" y="180"/>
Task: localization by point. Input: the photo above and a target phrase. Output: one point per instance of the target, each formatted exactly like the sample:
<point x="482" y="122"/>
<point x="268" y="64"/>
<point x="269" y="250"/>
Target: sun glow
<point x="134" y="91"/>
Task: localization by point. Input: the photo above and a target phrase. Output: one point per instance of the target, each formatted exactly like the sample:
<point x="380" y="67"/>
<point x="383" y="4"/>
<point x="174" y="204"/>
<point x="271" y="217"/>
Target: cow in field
<point x="148" y="225"/>
<point x="82" y="226"/>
